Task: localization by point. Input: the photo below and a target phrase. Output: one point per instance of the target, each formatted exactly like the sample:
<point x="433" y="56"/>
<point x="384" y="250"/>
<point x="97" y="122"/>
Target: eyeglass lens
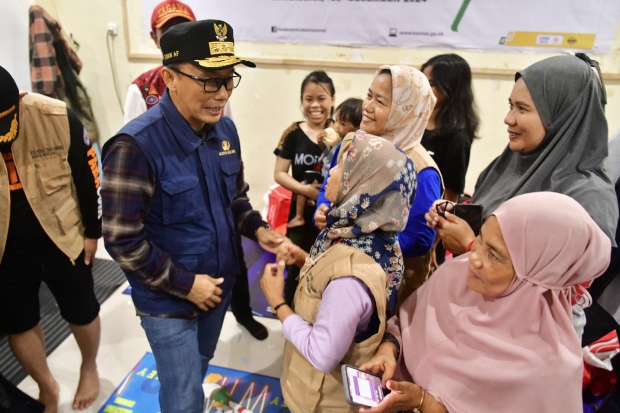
<point x="213" y="85"/>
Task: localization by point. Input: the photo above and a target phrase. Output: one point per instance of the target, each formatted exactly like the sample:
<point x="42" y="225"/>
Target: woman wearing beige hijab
<point x="397" y="107"/>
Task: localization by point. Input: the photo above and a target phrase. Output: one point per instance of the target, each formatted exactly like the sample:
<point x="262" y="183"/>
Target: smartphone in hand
<point x="361" y="388"/>
<point x="472" y="213"/>
<point x="313" y="177"/>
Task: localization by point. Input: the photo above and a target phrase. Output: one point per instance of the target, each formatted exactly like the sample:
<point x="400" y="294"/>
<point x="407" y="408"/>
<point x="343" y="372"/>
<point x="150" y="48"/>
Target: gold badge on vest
<point x="226" y="149"/>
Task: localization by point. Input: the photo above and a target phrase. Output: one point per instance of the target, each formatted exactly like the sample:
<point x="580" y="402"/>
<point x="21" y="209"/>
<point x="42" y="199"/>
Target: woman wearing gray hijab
<point x="557" y="142"/>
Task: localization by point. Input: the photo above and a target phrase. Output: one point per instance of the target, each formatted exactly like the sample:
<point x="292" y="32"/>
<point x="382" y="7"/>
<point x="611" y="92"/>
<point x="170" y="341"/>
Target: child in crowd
<point x="347" y="119"/>
<point x="299" y="151"/>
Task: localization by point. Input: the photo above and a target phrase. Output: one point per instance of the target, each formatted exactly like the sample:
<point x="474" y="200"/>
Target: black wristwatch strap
<point x="275" y="309"/>
<point x="389" y="338"/>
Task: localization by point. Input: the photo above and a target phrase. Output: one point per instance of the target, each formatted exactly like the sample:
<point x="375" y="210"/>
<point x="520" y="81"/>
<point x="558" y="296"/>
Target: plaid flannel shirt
<point x="127" y="194"/>
<point x="44" y="71"/>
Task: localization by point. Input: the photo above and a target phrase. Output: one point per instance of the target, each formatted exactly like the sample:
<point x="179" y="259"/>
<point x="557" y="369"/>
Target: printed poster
<point x="226" y="391"/>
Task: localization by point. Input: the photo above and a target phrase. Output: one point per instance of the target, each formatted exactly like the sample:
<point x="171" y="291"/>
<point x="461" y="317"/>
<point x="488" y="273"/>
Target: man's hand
<point x="90" y="247"/>
<point x="269" y="240"/>
<point x="290" y="253"/>
<point x="205" y="292"/>
<point x="320" y="217"/>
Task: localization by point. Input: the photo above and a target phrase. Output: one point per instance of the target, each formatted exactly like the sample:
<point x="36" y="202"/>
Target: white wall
<point x="267" y="100"/>
<point x="14" y="44"/>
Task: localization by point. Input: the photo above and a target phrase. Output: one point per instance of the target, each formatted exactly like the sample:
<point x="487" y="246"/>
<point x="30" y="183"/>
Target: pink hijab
<point x="518" y="352"/>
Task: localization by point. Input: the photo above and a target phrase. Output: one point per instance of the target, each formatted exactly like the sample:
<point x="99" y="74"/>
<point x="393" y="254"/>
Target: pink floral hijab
<point x="518" y="352"/>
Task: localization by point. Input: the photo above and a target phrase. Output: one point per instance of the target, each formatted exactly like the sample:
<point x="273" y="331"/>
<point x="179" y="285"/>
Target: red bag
<point x="279" y="206"/>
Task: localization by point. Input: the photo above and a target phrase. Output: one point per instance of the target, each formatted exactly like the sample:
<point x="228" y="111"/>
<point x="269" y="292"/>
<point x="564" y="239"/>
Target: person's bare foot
<point x="49" y="397"/>
<point x="296" y="222"/>
<point x="88" y="388"/>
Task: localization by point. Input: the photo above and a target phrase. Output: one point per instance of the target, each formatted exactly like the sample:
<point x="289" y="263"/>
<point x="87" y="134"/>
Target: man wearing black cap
<point x="173" y="199"/>
<point x="143" y="94"/>
<point x="50" y="219"/>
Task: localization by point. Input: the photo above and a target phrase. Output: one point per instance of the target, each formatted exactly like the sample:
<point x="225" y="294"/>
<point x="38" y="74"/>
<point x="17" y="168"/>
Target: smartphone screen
<point x="311" y="177"/>
<point x="364" y="389"/>
<point x="472" y="213"/>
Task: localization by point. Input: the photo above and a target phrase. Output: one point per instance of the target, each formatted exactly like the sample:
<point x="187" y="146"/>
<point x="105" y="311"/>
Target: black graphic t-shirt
<point x="304" y="155"/>
<point x="297" y="147"/>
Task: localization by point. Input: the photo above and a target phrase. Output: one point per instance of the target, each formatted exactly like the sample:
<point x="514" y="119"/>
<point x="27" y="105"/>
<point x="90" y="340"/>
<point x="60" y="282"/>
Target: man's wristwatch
<point x="266" y="226"/>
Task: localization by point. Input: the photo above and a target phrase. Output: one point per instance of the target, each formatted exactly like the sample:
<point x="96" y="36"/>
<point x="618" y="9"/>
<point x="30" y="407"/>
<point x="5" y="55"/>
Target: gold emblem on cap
<point x="220" y="31"/>
<point x="225" y="145"/>
<point x="219" y="61"/>
<point x="221" y="47"/>
<point x="12" y="132"/>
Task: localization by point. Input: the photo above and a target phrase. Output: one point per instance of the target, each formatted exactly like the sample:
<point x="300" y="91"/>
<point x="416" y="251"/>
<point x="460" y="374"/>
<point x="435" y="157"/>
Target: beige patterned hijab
<point x="412" y="104"/>
<point x="373" y="204"/>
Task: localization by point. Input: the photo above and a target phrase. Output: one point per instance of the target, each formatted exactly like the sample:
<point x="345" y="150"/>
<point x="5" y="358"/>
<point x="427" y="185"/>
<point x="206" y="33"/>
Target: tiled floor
<point x="123" y="343"/>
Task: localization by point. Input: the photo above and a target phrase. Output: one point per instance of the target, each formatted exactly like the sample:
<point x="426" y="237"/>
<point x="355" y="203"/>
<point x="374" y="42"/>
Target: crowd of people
<point x="376" y="182"/>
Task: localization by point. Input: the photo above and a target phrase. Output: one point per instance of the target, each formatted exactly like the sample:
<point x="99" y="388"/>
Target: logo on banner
<point x="393" y="32"/>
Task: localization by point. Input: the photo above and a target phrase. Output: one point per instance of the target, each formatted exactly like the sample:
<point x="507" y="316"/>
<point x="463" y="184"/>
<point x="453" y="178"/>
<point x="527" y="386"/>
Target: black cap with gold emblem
<point x="204" y="43"/>
<point x="9" y="109"/>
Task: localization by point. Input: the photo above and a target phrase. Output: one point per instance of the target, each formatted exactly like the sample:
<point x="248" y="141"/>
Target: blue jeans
<point x="182" y="350"/>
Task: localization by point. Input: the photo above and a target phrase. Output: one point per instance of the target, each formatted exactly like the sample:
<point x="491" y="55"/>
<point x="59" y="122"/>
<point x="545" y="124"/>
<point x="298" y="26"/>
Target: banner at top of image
<point x="537" y="25"/>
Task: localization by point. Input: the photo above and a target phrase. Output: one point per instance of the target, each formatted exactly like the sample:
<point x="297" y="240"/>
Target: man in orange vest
<point x="50" y="219"/>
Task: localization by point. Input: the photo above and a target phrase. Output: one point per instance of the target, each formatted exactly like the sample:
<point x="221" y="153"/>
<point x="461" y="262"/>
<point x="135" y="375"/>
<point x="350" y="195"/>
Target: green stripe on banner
<point x="459" y="15"/>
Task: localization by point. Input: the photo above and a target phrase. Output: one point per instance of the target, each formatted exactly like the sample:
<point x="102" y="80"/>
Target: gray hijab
<point x="612" y="164"/>
<point x="570" y="100"/>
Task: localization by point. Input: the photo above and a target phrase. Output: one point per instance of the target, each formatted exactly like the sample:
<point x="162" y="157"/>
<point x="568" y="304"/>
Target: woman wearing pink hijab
<point x="492" y="331"/>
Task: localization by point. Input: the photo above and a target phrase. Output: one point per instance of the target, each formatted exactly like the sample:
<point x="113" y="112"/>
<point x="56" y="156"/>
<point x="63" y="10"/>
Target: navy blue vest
<point x="195" y="182"/>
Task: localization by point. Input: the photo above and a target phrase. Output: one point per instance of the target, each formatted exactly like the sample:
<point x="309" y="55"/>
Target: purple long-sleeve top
<point x="345" y="312"/>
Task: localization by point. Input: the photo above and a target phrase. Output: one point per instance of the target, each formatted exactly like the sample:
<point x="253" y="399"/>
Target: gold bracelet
<point x="417" y="409"/>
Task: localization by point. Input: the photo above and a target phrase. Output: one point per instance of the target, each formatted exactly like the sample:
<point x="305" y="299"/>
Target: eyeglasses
<point x="214" y="84"/>
<point x="442" y="207"/>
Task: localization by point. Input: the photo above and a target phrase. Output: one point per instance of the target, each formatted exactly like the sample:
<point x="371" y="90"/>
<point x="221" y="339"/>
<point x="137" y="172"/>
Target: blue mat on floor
<point x="139" y="392"/>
